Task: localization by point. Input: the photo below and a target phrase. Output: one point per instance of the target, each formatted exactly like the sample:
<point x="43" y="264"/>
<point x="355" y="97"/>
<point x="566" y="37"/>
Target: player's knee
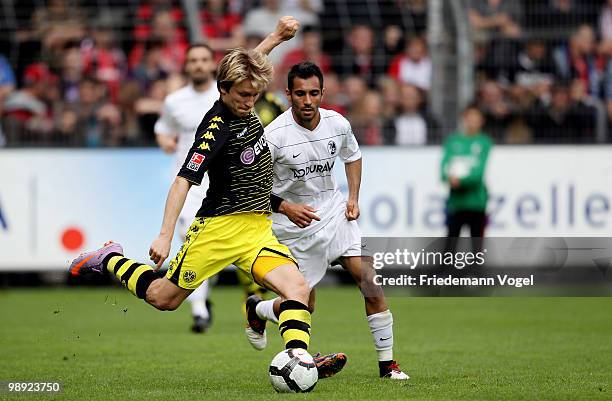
<point x="311" y="306"/>
<point x="166" y="304"/>
<point x="299" y="291"/>
<point x="160" y="300"/>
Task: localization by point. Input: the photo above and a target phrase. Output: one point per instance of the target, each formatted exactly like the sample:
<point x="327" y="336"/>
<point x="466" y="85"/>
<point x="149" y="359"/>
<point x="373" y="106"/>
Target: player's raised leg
<point x="140" y="279"/>
<point x="379" y="316"/>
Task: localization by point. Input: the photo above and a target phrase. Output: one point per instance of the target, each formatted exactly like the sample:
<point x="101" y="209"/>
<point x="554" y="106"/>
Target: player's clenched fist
<point x="352" y="210"/>
<point x="287" y="27"/>
<point x="159" y="251"/>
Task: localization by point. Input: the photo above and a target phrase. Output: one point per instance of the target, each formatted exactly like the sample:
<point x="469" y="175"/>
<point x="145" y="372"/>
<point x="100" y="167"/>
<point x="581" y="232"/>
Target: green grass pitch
<point x="102" y="343"/>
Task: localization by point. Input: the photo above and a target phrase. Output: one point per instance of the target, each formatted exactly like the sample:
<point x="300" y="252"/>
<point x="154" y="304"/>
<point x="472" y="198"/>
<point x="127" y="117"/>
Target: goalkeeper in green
<point x="463" y="167"/>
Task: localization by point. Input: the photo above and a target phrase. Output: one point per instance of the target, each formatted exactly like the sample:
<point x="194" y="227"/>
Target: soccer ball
<point x="293" y="371"/>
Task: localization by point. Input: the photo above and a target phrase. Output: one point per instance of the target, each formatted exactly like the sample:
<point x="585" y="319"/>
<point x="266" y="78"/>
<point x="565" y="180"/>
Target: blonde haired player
<point x="232" y="225"/>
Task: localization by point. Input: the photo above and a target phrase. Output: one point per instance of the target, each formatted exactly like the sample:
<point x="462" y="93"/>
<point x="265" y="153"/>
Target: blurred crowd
<point x="73" y="74"/>
<point x="544" y="69"/>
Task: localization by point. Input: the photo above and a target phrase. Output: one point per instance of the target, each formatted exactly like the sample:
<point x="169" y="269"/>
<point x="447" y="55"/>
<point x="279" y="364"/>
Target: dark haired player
<point x="174" y="131"/>
<point x="318" y="223"/>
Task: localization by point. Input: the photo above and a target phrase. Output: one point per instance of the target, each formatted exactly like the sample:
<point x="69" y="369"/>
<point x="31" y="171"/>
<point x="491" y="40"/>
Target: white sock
<point x="265" y="310"/>
<point x="381" y="326"/>
<point x="198" y="301"/>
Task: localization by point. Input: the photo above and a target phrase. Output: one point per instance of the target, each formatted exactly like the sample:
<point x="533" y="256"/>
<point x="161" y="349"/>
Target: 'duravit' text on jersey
<point x="303" y="163"/>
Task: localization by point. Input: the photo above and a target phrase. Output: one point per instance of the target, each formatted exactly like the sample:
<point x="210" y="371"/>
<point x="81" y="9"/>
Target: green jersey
<point x="465" y="158"/>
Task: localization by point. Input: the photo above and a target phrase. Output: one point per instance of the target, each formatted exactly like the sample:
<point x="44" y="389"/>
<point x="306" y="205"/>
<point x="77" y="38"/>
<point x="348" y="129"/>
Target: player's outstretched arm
<point x="160" y="248"/>
<point x="286" y="28"/>
<point x="353" y="179"/>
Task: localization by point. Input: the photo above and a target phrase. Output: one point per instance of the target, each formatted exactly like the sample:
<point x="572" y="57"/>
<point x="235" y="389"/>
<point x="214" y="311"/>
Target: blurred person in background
<point x="563" y="16"/>
<point x="417" y="11"/>
<point x="71" y="73"/>
<point x="153" y="65"/>
<point x="360" y="56"/>
<point x="27" y="118"/>
<point x="578" y="59"/>
<point x="413" y="126"/>
<point x="56" y="24"/>
<point x="367" y="121"/>
<point x="268" y="107"/>
<point x="496" y="27"/>
<point x="145" y="14"/>
<point x="414" y="65"/>
<point x="533" y="65"/>
<point x="221" y="28"/>
<point x="180" y="117"/>
<point x="354" y="89"/>
<point x="149" y="107"/>
<point x="390" y="92"/>
<point x="496" y="18"/>
<point x="496" y="108"/>
<point x="164" y="27"/>
<point x="310" y="50"/>
<point x="98" y="120"/>
<point x="7" y="85"/>
<point x="463" y="166"/>
<point x="102" y="57"/>
<point x="565" y="118"/>
<point x="333" y="99"/>
<point x="605" y="21"/>
<point x="258" y="20"/>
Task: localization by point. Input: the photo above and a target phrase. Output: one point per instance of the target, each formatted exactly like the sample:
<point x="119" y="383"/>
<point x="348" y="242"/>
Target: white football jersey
<point x="183" y="111"/>
<point x="303" y="163"/>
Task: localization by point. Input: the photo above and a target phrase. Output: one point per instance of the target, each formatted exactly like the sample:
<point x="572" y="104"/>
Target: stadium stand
<point x="94" y="73"/>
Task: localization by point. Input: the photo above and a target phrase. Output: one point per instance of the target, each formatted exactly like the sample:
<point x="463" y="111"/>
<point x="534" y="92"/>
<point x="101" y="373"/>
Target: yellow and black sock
<point x="133" y="275"/>
<point x="294" y="324"/>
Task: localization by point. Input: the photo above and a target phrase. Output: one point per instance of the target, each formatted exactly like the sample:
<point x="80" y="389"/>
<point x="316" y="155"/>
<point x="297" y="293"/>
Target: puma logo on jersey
<point x="241" y="134"/>
<point x="317" y="168"/>
<point x="216" y="119"/>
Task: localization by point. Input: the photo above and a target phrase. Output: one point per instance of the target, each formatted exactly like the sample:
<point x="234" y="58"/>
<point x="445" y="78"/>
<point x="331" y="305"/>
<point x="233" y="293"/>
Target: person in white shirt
<point x="318" y="223"/>
<point x="182" y="112"/>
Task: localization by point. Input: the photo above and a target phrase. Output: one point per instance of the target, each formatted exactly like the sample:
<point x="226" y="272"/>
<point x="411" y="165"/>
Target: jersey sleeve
<point x="166" y="124"/>
<point x="349" y="151"/>
<point x="272" y="145"/>
<point x="210" y="137"/>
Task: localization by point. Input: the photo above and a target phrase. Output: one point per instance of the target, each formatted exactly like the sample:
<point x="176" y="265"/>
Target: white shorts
<point x="315" y="253"/>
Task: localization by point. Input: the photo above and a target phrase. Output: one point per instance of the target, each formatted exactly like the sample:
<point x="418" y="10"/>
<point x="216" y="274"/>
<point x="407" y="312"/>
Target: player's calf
<point x="287" y="281"/>
<point x="140" y="279"/>
<point x="163" y="296"/>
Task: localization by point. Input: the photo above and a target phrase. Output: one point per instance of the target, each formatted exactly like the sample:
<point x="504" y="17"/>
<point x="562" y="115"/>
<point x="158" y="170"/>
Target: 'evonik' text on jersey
<point x="234" y="152"/>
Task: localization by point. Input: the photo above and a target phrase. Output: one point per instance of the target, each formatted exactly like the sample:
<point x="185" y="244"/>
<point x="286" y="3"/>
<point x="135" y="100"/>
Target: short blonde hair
<point x="241" y="64"/>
